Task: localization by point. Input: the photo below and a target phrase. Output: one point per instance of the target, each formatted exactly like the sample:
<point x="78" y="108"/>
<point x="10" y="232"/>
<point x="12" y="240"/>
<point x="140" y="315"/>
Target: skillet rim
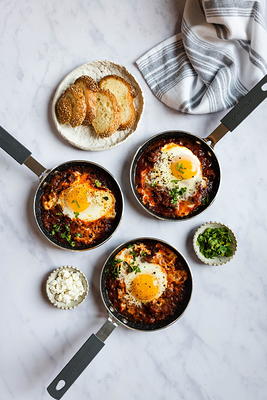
<point x="141" y="150"/>
<point x="43" y="179"/>
<point x="102" y="285"/>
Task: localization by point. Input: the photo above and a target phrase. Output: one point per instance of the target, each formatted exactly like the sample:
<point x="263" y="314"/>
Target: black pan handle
<point x="246" y="105"/>
<point x="19" y="152"/>
<point x="14" y="148"/>
<point x="240" y="111"/>
<point x="80" y="360"/>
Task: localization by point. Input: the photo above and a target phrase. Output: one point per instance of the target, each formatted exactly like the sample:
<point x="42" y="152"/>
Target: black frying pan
<point x="23" y="156"/>
<point x="231" y="120"/>
<point x="95" y="343"/>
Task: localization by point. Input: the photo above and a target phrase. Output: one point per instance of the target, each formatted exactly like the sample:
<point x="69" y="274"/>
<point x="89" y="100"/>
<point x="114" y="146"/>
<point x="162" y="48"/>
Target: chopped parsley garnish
<point x="130" y="246"/>
<point x="65" y="234"/>
<point x="59" y="213"/>
<point x="114" y="267"/>
<point x="78" y="234"/>
<point x="176" y="193"/>
<point x="143" y="254"/>
<point x="76" y="202"/>
<point x="134" y="254"/>
<point x="180" y="168"/>
<point x="133" y="267"/>
<point x="215" y="242"/>
<point x="154" y="184"/>
<point x="98" y="183"/>
<point x="56" y="227"/>
<point x="76" y="214"/>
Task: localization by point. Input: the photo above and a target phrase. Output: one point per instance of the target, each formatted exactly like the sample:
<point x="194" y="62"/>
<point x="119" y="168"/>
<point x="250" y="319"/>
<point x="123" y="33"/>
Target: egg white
<point x="101" y="203"/>
<point x="155" y="270"/>
<point x="161" y="174"/>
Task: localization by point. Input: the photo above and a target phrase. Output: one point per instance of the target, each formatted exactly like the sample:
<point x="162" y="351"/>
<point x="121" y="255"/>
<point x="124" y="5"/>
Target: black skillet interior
<point x="193" y="139"/>
<point x="137" y="325"/>
<point x="110" y="183"/>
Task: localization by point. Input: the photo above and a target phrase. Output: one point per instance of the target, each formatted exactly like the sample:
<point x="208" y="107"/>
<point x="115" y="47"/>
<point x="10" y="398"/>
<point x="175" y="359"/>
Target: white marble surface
<point x="217" y="351"/>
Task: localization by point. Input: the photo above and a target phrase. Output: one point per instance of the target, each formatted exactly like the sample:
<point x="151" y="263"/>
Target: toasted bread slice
<point x="122" y="90"/>
<point x="90" y="88"/>
<point x="71" y="106"/>
<point x="107" y="118"/>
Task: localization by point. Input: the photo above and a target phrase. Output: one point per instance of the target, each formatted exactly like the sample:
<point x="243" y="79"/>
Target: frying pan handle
<point x="16" y="150"/>
<point x="80" y="360"/>
<point x="240" y="111"/>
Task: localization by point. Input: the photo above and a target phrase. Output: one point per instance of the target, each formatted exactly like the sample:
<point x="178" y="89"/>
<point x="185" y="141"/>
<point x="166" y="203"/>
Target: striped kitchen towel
<point x="219" y="55"/>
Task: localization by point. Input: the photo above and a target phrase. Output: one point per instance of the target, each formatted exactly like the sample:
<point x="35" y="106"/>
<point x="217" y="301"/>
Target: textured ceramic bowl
<point x="74" y="303"/>
<point x="216" y="260"/>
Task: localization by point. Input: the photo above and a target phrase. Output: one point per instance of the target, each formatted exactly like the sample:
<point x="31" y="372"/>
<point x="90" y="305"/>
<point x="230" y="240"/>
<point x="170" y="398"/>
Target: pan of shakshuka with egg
<point x="78" y="204"/>
<point x="146" y="285"/>
<point x="176" y="175"/>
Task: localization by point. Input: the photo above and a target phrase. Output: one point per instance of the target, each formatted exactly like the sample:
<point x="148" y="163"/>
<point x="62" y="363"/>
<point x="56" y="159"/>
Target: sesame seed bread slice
<point x="71" y="106"/>
<point x="89" y="87"/>
<point x="107" y="118"/>
<point x="123" y="92"/>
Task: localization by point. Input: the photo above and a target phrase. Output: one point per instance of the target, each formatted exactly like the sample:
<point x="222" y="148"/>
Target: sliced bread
<point x="71" y="106"/>
<point x="89" y="87"/>
<point x="107" y="119"/>
<point x="123" y="92"/>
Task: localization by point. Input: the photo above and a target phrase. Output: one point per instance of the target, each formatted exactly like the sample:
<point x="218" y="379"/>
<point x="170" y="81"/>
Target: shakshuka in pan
<point x="174" y="177"/>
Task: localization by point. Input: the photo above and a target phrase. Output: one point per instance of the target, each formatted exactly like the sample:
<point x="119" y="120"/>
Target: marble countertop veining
<point x="218" y="350"/>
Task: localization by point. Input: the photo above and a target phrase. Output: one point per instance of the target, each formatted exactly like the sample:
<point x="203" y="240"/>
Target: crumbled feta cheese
<point x="67" y="286"/>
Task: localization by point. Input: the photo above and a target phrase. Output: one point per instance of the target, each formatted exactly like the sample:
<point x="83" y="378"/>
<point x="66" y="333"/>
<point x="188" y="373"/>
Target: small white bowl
<point x="75" y="303"/>
<point x="216" y="260"/>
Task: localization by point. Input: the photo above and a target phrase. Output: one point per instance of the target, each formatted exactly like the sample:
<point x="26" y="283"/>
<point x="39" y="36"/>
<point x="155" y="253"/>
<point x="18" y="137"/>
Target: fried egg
<point x="177" y="167"/>
<point x="81" y="200"/>
<point x="145" y="285"/>
<point x="86" y="202"/>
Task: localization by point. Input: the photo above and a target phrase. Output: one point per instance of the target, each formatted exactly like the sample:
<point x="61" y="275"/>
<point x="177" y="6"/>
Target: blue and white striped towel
<point x="219" y="55"/>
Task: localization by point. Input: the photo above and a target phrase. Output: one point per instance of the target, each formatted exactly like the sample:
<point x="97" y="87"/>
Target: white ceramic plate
<point x="84" y="137"/>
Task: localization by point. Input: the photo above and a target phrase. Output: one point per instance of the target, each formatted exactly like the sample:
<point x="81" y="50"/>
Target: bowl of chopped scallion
<point x="214" y="243"/>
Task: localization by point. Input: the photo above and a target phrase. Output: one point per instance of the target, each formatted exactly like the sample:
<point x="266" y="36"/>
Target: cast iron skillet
<point x="231" y="120"/>
<point x="23" y="156"/>
<point x="95" y="343"/>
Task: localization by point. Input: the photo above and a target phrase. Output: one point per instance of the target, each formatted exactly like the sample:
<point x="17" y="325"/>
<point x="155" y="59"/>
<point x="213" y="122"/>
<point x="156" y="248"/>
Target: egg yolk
<point x="76" y="198"/>
<point x="144" y="287"/>
<point x="183" y="168"/>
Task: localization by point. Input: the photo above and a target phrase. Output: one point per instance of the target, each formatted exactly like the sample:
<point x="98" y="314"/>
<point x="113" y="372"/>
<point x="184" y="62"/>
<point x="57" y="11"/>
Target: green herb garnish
<point x="133" y="267"/>
<point x="76" y="214"/>
<point x="98" y="183"/>
<point x="180" y="168"/>
<point x="216" y="242"/>
<point x="134" y="254"/>
<point x="76" y="202"/>
<point x="59" y="213"/>
<point x="78" y="234"/>
<point x="154" y="184"/>
<point x="114" y="267"/>
<point x="143" y="254"/>
<point x="56" y="227"/>
<point x="176" y="193"/>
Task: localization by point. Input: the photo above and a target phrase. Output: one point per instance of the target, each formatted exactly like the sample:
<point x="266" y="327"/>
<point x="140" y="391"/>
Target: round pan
<point x="95" y="343"/>
<point x="23" y="156"/>
<point x="245" y="106"/>
<point x="176" y="135"/>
